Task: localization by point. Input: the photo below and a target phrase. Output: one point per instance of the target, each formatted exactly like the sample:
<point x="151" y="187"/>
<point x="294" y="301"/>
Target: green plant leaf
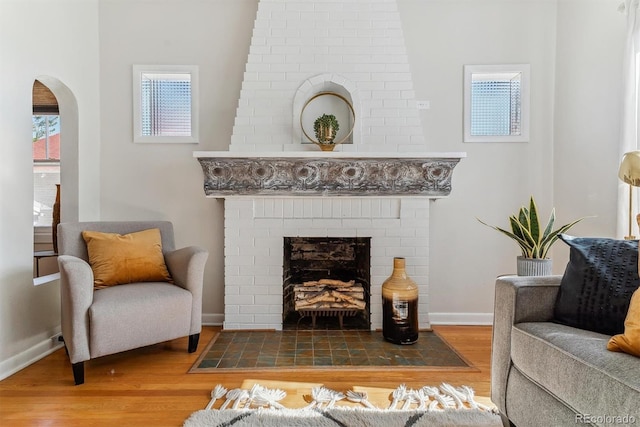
<point x="525" y="231"/>
<point x="534" y="223"/>
<point x="526" y="236"/>
<point x="549" y="228"/>
<point x="523" y="217"/>
<point x="554" y="235"/>
<point x="521" y="242"/>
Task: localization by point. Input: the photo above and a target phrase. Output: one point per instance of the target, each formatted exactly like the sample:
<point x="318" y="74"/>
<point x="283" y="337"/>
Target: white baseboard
<point x="217" y="319"/>
<point x="461" y="318"/>
<point x="29" y="356"/>
<point x="212" y="319"/>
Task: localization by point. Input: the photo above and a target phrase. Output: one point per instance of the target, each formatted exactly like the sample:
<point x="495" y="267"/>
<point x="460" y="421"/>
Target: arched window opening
<point x="46" y="177"/>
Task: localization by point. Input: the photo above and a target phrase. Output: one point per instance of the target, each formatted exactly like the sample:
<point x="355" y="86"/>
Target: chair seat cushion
<point x="575" y="366"/>
<point x="138" y="314"/>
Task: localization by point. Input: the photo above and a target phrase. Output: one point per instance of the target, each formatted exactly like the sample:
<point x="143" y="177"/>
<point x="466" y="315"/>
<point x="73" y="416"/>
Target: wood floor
<point x="151" y="386"/>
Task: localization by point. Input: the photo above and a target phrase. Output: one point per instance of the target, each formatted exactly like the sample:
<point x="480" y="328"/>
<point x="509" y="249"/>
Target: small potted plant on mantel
<point x="326" y="128"/>
<point x="534" y="241"/>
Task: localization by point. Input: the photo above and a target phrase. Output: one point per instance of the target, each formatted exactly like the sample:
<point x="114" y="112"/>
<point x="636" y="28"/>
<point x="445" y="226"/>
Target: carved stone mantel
<point x="228" y="174"/>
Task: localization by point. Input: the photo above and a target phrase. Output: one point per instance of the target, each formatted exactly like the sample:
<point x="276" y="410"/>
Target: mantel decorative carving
<point x="327" y="176"/>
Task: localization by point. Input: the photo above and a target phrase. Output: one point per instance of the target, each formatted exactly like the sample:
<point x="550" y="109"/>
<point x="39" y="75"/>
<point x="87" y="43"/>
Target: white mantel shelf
<point x="321" y="173"/>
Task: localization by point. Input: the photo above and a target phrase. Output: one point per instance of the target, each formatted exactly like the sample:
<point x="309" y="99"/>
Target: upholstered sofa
<point x="548" y="374"/>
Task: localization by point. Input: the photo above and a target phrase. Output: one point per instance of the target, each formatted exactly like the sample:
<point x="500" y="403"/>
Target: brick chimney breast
<point x="300" y="48"/>
<point x="353" y="47"/>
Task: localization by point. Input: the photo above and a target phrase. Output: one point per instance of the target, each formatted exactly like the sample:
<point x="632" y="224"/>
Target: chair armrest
<point x="186" y="266"/>
<point x="76" y="296"/>
<point x="517" y="299"/>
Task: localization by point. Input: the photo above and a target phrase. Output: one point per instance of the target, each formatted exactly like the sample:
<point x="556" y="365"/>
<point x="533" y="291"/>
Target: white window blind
<point x="496" y="103"/>
<point x="165" y="103"/>
<point x="495" y="107"/>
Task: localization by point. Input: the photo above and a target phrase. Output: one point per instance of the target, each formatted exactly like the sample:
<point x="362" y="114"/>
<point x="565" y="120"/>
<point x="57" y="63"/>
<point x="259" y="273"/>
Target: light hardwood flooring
<point x="151" y="386"/>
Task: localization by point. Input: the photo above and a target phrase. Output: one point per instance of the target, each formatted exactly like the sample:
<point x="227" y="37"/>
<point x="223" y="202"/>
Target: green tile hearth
<point x="323" y="348"/>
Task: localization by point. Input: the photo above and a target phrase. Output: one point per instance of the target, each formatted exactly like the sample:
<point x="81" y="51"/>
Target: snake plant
<point x="528" y="233"/>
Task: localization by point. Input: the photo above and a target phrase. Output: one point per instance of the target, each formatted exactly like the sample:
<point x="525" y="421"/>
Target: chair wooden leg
<point x="78" y="372"/>
<point x="193" y="342"/>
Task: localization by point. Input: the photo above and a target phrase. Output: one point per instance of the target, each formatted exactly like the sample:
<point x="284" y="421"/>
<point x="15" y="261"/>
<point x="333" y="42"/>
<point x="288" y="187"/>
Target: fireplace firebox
<point x="326" y="283"/>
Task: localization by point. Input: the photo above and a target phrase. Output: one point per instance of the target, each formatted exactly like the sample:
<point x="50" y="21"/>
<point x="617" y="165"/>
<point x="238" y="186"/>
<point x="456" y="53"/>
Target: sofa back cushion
<point x="597" y="284"/>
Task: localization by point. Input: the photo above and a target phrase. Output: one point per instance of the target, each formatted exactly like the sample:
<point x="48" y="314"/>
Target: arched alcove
<point x="69" y="147"/>
<point x="326" y="83"/>
<point x="50" y="96"/>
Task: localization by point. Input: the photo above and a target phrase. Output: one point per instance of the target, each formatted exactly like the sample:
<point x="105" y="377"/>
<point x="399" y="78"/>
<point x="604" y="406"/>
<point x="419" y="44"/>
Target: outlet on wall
<point x="423" y="105"/>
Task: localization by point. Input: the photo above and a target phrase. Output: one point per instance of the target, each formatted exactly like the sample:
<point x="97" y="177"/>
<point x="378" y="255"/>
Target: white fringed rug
<point x="254" y="404"/>
<point x="342" y="417"/>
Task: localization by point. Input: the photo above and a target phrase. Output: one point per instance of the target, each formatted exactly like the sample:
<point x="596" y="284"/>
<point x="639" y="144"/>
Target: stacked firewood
<point x="329" y="294"/>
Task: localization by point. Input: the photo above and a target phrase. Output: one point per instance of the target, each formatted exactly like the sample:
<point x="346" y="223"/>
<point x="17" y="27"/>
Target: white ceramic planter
<point x="534" y="266"/>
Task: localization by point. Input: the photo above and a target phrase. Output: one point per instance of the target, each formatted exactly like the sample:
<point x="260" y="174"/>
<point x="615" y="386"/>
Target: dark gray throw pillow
<point x="597" y="285"/>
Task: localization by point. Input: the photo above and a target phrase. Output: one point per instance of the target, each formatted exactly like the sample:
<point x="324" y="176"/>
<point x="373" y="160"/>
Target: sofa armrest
<point x="186" y="266"/>
<point x="76" y="296"/>
<point x="517" y="299"/>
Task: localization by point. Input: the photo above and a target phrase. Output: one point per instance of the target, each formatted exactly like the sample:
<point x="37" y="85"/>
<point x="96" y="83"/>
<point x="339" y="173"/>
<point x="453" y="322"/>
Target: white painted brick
<point x="231" y="309"/>
<point x="287" y="207"/>
<point x="268" y="319"/>
<point x="400" y="251"/>
<point x="239" y="299"/>
<point x="269" y="260"/>
<point x="378" y="251"/>
<point x="265" y="282"/>
<point x="254" y="309"/>
<point x="340" y="232"/>
<point x="231" y="289"/>
<point x="299" y="6"/>
<point x="239" y="260"/>
<point x="370" y="232"/>
<point x="240" y="319"/>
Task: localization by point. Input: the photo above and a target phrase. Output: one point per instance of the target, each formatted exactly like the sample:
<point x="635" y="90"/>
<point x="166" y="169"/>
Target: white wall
<point x="164" y="181"/>
<point x="64" y="51"/>
<point x="573" y="46"/>
<point x="496" y="178"/>
<point x="588" y="91"/>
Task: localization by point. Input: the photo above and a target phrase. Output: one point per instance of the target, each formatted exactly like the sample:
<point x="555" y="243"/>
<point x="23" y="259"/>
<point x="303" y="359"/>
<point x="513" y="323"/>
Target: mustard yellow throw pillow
<point x="118" y="259"/>
<point x="629" y="341"/>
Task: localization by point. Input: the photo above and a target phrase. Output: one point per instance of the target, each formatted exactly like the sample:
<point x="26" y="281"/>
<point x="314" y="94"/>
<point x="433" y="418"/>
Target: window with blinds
<point x="165" y="104"/>
<point x="495" y="106"/>
<point x="496" y="103"/>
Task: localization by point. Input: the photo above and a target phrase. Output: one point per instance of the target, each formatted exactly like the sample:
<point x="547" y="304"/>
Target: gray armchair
<point x="124" y="317"/>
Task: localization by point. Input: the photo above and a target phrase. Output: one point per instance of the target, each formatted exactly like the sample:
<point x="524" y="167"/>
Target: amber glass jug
<point x="399" y="306"/>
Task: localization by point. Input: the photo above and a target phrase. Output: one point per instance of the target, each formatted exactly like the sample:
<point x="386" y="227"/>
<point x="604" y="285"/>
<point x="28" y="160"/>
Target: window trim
<point x="138" y="71"/>
<point x="525" y="100"/>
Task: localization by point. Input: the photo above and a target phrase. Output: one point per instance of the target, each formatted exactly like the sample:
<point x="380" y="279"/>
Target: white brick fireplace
<point x="299" y="49"/>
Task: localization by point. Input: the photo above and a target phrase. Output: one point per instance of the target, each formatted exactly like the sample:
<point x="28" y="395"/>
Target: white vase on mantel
<point x="534" y="266"/>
